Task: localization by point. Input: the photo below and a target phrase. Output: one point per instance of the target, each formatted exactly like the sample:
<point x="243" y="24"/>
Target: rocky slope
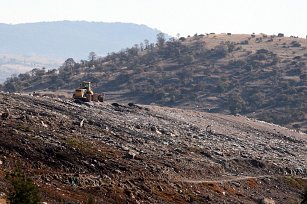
<point x="128" y="153"/>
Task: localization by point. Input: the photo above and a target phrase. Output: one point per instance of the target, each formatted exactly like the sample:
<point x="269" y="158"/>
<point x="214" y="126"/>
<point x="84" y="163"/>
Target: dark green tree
<point x="304" y="201"/>
<point x="24" y="190"/>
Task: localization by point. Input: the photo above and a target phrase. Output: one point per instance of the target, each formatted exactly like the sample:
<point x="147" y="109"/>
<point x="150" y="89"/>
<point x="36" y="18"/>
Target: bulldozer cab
<point x="85" y="85"/>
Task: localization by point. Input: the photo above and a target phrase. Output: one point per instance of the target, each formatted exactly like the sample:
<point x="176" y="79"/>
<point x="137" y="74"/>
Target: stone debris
<point x="81" y="123"/>
<point x="6" y="114"/>
<point x="267" y="201"/>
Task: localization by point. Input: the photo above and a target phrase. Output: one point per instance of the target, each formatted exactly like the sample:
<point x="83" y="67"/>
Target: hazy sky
<point x="170" y="16"/>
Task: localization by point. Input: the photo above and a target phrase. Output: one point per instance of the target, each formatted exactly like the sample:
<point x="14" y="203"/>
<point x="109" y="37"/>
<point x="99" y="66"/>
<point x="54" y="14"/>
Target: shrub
<point x="244" y="42"/>
<point x="280" y="35"/>
<point x="295" y="44"/>
<point x="236" y="103"/>
<point x="91" y="200"/>
<point x="304" y="201"/>
<point x="219" y="51"/>
<point x="25" y="191"/>
<point x="303" y="76"/>
<point x="186" y="59"/>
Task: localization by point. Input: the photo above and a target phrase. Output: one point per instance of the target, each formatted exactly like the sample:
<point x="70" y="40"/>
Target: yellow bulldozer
<point x="85" y="93"/>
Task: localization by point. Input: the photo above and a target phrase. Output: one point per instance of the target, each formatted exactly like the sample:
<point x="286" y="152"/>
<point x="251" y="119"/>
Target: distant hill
<point x="23" y="45"/>
<point x="260" y="76"/>
<point x="15" y="64"/>
<point x="74" y="39"/>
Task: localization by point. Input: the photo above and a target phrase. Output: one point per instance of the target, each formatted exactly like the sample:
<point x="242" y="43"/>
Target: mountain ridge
<point x="75" y="39"/>
<point x="59" y="40"/>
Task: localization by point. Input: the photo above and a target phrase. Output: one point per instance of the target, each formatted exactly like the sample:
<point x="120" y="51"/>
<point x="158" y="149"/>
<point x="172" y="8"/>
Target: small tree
<point x="160" y="39"/>
<point x="235" y="103"/>
<point x="70" y="62"/>
<point x="92" y="56"/>
<point x="25" y="191"/>
<point x="141" y="47"/>
<point x="146" y="42"/>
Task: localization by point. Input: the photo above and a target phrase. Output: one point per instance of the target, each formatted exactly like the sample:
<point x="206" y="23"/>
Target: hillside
<point x="117" y="153"/>
<point x="260" y="76"/>
<point x="75" y="39"/>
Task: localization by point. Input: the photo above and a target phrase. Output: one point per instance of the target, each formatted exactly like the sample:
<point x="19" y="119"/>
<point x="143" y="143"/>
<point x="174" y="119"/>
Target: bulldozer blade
<point x="97" y="98"/>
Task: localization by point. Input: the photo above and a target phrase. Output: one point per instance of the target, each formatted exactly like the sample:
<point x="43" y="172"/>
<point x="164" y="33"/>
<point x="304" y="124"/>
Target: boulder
<point x="267" y="201"/>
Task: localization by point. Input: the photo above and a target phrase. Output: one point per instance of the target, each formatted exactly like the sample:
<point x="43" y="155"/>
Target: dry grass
<point x="231" y="190"/>
<point x="252" y="183"/>
<point x="216" y="187"/>
<point x="296" y="182"/>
